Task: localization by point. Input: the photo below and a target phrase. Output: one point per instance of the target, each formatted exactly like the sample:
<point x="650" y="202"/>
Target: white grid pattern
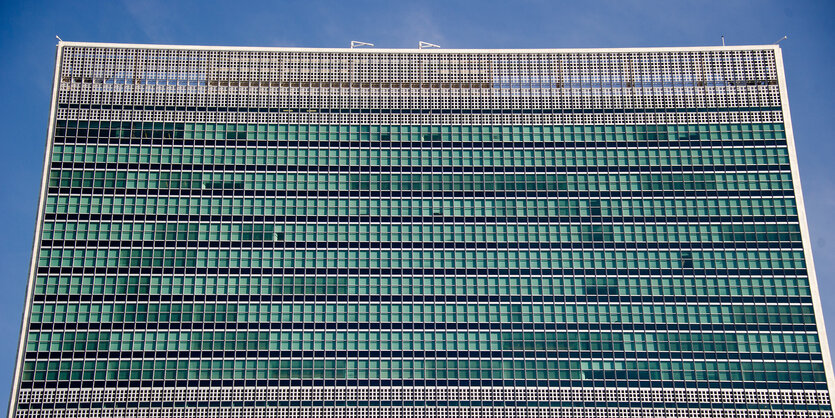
<point x="303" y="81"/>
<point x="567" y="394"/>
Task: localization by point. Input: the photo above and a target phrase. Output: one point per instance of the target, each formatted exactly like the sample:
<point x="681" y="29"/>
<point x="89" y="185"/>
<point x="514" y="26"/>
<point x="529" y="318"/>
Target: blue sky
<point x="27" y="43"/>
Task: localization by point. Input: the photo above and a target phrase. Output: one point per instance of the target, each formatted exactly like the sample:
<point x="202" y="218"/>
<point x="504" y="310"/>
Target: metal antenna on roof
<point x="781" y="39"/>
<point x="59" y="38"/>
<point x="355" y="44"/>
<point x="723" y="40"/>
<point x="422" y="45"/>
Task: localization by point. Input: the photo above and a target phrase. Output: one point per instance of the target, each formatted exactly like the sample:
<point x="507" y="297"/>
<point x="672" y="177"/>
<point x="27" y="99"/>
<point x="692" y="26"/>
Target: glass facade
<point x="332" y="233"/>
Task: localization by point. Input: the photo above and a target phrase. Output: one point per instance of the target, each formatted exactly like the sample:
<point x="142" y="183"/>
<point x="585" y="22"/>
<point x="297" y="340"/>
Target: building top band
<point x="339" y="86"/>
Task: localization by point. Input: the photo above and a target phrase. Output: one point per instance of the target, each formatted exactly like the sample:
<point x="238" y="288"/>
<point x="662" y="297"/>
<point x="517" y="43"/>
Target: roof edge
<point x="416" y="50"/>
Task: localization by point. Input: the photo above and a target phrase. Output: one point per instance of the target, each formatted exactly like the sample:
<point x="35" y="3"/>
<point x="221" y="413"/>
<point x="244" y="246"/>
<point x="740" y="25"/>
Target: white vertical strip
<point x="33" y="262"/>
<point x="804" y="226"/>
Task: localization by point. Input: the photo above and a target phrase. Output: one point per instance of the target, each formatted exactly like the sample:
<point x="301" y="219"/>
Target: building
<point x="242" y="232"/>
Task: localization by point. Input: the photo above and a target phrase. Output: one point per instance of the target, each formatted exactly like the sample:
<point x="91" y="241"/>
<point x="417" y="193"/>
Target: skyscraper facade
<point x="282" y="232"/>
